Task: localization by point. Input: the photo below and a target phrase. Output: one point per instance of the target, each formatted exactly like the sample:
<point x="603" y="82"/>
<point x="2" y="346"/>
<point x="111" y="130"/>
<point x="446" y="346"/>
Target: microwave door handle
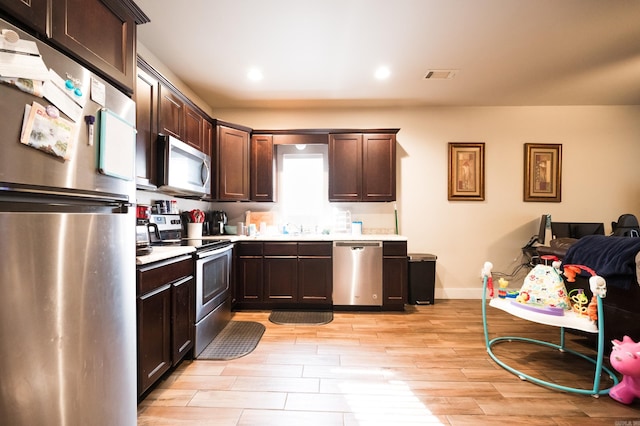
<point x="207" y="173"/>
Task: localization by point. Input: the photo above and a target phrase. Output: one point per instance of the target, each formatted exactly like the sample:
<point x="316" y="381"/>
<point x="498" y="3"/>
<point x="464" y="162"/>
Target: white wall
<point x="600" y="176"/>
<point x="152" y="60"/>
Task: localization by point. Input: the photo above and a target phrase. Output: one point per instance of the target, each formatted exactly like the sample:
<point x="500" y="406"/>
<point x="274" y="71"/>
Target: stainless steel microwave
<point x="182" y="169"/>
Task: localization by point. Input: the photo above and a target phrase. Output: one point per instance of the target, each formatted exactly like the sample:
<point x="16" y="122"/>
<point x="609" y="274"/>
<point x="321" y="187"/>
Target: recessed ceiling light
<point x="254" y="74"/>
<point x="382" y="73"/>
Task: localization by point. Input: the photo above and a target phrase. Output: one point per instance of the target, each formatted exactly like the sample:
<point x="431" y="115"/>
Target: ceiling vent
<point x="440" y="74"/>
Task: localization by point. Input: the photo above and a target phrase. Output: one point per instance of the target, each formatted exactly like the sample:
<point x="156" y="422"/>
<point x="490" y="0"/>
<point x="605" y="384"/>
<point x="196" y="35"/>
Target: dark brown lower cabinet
<point x="395" y="279"/>
<point x="154" y="336"/>
<point x="165" y="317"/>
<point x="280" y="279"/>
<point x="249" y="289"/>
<point x="274" y="275"/>
<point x="283" y="274"/>
<point x="183" y="318"/>
<point x="315" y="273"/>
<point x="280" y="272"/>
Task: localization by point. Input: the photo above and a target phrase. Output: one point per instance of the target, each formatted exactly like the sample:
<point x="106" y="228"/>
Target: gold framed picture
<point x="466" y="171"/>
<point x="543" y="172"/>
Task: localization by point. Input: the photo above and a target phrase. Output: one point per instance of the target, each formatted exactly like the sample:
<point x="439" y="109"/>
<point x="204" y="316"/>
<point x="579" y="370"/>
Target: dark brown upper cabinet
<point x="99" y="33"/>
<point x="162" y="108"/>
<point x="362" y="167"/>
<point x="345" y="167"/>
<point x="146" y="97"/>
<point x="102" y="33"/>
<point x="232" y="157"/>
<point x="262" y="167"/>
<point x="378" y="167"/>
<point x="32" y="13"/>
<point x="207" y="138"/>
<point x="171" y="113"/>
<point x="193" y="128"/>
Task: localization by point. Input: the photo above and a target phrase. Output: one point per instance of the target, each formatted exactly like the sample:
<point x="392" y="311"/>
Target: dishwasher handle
<point x="357" y="245"/>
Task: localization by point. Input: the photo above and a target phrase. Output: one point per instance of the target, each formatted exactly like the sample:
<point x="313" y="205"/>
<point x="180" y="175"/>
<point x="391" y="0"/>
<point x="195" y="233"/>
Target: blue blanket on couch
<point x="613" y="258"/>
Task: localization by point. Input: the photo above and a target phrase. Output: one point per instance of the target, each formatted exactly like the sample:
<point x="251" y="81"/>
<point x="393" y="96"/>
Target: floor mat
<point x="237" y="339"/>
<point x="301" y="317"/>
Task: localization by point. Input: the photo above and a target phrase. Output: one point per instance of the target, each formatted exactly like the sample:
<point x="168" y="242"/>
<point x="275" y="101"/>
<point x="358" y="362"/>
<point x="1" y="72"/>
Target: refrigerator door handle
<point x="7" y="188"/>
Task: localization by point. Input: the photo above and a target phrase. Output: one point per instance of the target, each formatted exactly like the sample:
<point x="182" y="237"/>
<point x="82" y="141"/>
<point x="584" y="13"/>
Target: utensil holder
<point x="194" y="230"/>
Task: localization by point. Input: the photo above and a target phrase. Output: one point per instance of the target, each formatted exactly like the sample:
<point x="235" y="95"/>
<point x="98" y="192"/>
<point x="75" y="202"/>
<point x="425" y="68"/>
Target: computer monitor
<point x="576" y="229"/>
<point x="579" y="230"/>
<point x="542" y="228"/>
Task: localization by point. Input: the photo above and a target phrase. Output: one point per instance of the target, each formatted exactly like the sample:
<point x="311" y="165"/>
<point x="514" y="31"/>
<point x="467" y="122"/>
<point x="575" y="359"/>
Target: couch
<point x="615" y="258"/>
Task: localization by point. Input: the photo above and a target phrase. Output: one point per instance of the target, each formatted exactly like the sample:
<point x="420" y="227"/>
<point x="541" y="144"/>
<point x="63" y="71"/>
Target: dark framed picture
<point x="466" y="171"/>
<point x="543" y="172"/>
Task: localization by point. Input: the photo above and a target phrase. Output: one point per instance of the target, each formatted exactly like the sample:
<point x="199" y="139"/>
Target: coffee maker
<point x="143" y="242"/>
<point x="217" y="222"/>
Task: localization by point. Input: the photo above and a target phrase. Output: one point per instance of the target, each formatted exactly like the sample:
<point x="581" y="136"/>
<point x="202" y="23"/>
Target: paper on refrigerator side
<point x="51" y="135"/>
<point x="56" y="93"/>
<point x="22" y="60"/>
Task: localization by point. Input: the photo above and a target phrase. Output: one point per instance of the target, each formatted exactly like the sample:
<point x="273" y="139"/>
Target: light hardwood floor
<point x="428" y="365"/>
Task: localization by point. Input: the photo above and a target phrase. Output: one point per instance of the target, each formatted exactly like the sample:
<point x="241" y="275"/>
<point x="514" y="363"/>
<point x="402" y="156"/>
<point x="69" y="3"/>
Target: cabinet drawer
<point x="249" y="249"/>
<point x="394" y="248"/>
<point x="159" y="274"/>
<point x="315" y="249"/>
<point x="280" y="249"/>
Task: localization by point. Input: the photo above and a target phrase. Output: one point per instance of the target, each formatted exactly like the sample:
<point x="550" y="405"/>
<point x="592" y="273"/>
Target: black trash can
<point x="422" y="278"/>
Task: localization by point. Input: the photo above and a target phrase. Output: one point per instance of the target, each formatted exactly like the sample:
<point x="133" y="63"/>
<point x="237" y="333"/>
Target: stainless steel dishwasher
<point x="357" y="273"/>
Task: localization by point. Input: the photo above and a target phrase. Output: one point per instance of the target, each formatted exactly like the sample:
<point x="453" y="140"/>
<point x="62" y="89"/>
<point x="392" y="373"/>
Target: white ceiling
<point x="323" y="53"/>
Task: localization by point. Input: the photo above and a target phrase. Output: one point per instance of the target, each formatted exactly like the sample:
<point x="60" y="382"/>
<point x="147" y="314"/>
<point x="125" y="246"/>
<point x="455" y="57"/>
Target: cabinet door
<point x="207" y="137"/>
<point x="315" y="277"/>
<point x="281" y="279"/>
<point x="146" y="113"/>
<point x="378" y="167"/>
<point x="394" y="275"/>
<point x="207" y="141"/>
<point x="233" y="164"/>
<point x="183" y="315"/>
<point x="154" y="336"/>
<point x="31" y="13"/>
<point x="99" y="32"/>
<point x="262" y="168"/>
<point x="193" y="123"/>
<point x="345" y="167"/>
<point x="249" y="286"/>
<point x="171" y="116"/>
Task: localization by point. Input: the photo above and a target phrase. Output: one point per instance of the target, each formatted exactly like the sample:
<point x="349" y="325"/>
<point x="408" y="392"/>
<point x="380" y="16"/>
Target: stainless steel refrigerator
<point x="67" y="260"/>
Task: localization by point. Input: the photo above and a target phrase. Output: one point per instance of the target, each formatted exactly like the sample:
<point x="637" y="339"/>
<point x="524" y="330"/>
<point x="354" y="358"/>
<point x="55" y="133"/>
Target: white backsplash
<point x="376" y="218"/>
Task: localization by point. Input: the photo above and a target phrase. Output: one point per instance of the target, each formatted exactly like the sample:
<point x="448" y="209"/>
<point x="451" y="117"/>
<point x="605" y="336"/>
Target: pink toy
<point x="625" y="358"/>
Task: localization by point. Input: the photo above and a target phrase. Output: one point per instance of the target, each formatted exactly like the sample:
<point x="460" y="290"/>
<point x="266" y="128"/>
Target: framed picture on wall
<point x="542" y="172"/>
<point x="466" y="171"/>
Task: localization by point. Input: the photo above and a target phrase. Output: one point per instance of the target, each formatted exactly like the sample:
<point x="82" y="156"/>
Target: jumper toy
<point x="502" y="291"/>
<point x="486" y="273"/>
<point x="542" y="300"/>
<point x="625" y="358"/>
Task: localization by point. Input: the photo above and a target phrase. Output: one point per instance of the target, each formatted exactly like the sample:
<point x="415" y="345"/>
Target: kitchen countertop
<point x="164" y="252"/>
<point x="312" y="237"/>
<point x="167" y="252"/>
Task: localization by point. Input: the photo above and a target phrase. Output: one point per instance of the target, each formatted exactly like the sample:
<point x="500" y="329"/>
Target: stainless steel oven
<point x="213" y="295"/>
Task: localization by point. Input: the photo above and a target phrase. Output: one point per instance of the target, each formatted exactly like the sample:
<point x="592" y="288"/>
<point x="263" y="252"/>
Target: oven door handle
<point x="214" y="252"/>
